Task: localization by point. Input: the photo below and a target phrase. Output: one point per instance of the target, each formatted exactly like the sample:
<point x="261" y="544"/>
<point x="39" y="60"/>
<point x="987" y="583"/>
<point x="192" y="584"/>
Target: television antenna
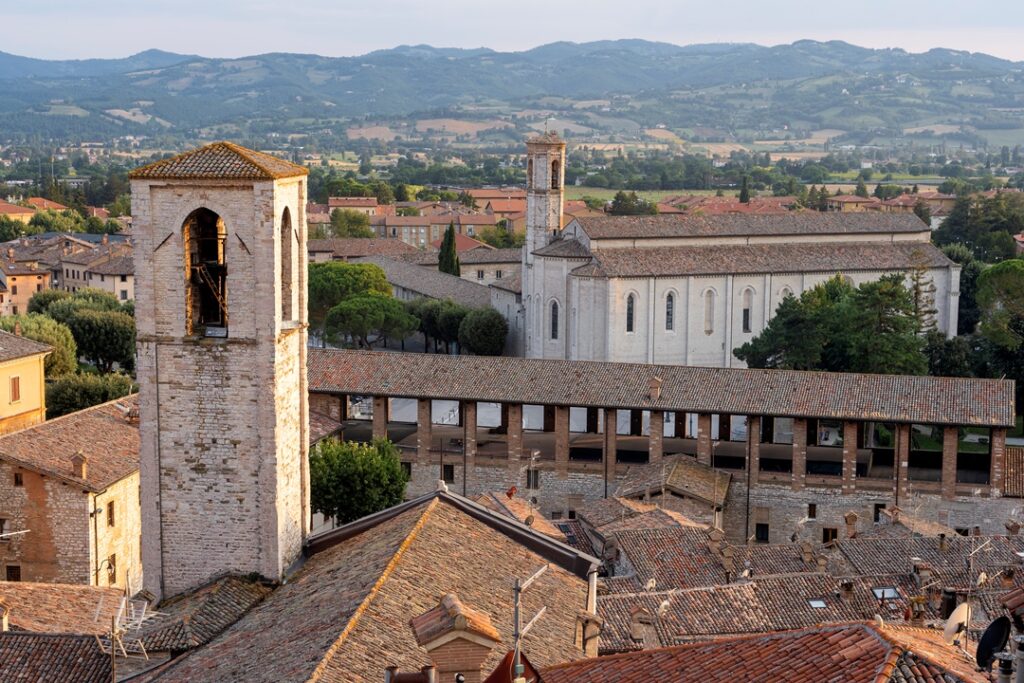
<point x="520" y="631"/>
<point x="11" y="534"/>
<point x="122" y="639"/>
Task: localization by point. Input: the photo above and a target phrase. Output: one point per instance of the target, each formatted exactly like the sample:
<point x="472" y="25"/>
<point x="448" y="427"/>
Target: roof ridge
<point x="372" y="593"/>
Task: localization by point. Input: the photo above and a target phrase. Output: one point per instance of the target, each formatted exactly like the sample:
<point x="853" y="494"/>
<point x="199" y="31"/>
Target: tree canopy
<point x="350" y="480"/>
<point x="1000" y="298"/>
<point x="76" y="392"/>
<point x="368" y="318"/>
<point x="985" y="226"/>
<point x="64" y="357"/>
<point x="483" y="332"/>
<point x="103" y="329"/>
<point x="332" y="282"/>
<point x="630" y="204"/>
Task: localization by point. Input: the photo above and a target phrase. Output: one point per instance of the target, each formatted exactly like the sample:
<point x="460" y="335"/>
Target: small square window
<point x="829" y="534"/>
<point x="124" y="278"/>
<point x="15" y="389"/>
<point x="124" y="295"/>
<point x="497" y="274"/>
<point x="572" y="514"/>
<point x="448" y="473"/>
<point x="13" y="573"/>
<point x="19" y="479"/>
<point x="812" y="511"/>
<point x="3" y="525"/>
<point x="817" y="603"/>
<point x="761" y="533"/>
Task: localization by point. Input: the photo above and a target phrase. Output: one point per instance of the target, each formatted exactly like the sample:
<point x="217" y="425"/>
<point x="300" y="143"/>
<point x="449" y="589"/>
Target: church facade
<point x="690" y="289"/>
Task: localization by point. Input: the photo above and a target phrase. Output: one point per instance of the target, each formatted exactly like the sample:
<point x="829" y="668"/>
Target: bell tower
<point x="220" y="267"/>
<point x="545" y="181"/>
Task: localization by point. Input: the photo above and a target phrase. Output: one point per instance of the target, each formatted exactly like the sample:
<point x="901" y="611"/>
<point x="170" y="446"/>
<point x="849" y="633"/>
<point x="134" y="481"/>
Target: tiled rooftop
<point x="354" y="247"/>
<point x="679" y="474"/>
<point x="220" y="161"/>
<point x="431" y="283"/>
<point x="471" y="257"/>
<point x="13" y="346"/>
<point x="35" y="658"/>
<point x="896" y="398"/>
<point x="521" y="510"/>
<point x="103" y="433"/>
<point x="59" y="607"/>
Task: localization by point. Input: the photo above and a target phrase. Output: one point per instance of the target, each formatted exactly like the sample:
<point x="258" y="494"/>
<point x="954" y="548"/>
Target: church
<point x="688" y="289"/>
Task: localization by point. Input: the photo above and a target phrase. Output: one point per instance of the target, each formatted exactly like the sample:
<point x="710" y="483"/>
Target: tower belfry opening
<point x="206" y="308"/>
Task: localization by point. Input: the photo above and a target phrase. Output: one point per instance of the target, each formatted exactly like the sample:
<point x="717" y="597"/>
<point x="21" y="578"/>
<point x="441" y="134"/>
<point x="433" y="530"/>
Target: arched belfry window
<point x="287" y="268"/>
<point x="748" y="305"/>
<point x="206" y="304"/>
<point x="554" y="320"/>
<point x="630" y="312"/>
<point x="670" y="311"/>
<point x="556" y="174"/>
<point x="709" y="311"/>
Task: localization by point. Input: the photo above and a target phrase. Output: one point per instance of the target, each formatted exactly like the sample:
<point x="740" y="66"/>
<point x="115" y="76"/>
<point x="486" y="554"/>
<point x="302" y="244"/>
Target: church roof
<point x="745" y="259"/>
<point x="564" y="248"/>
<point x="721" y="225"/>
<point x="220" y="161"/>
<point x="431" y="283"/>
<point x="732" y="391"/>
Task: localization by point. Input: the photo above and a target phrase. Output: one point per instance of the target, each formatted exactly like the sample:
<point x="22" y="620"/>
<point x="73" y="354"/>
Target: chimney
<point x="5" y="613"/>
<point x="976" y="530"/>
<point x="922" y="574"/>
<point x="105" y="239"/>
<point x="458" y="639"/>
<point x="715" y="537"/>
<point x="917" y="605"/>
<point x="642" y="628"/>
<point x="1012" y="527"/>
<point x="588" y="629"/>
<point x="846" y="590"/>
<point x="851" y="519"/>
<point x="17" y="328"/>
<point x="943" y="543"/>
<point x="10" y="252"/>
<point x="806" y="553"/>
<point x="654" y="389"/>
<point x="425" y="675"/>
<point x="1008" y="578"/>
<point x="80" y="465"/>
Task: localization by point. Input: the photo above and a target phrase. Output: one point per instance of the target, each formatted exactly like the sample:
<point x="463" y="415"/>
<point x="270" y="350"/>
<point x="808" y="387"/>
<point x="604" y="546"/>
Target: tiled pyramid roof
<point x="220" y="161"/>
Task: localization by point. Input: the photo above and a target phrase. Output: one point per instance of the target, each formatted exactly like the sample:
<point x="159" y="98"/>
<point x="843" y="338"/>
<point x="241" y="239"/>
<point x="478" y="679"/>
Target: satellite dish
<point x="992" y="641"/>
<point x="529" y="520"/>
<point x="651" y="584"/>
<point x="982" y="578"/>
<point x="879" y="621"/>
<point x="957" y="622"/>
<point x="663" y="607"/>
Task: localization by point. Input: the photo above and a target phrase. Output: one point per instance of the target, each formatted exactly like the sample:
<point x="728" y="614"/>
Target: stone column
<point x="562" y="441"/>
<point x="849" y="457"/>
<point x="514" y="438"/>
<point x="610" y="450"/>
<point x="468" y="441"/>
<point x="424" y="429"/>
<point x="901" y="463"/>
<point x="754" y="447"/>
<point x="655" y="442"/>
<point x="799" y="475"/>
<point x="949" y="447"/>
<point x="998" y="465"/>
<point x="704" y="438"/>
<point x="380" y="417"/>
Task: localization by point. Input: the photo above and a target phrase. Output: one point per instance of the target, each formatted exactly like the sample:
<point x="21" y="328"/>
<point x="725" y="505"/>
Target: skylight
<point x="885" y="593"/>
<point x="817" y="603"/>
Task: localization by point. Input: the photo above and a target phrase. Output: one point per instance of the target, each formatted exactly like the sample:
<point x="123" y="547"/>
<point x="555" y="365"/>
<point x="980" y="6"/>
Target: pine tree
<point x="914" y="190"/>
<point x="745" y="191"/>
<point x="862" y="189"/>
<point x="922" y="289"/>
<point x="448" y="258"/>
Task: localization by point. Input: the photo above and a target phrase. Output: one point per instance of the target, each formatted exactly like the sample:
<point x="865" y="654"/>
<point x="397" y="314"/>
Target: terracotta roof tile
<point x="59" y="607"/>
<point x="451" y="615"/>
<point x="896" y="398"/>
<point x="13" y="346"/>
<point x="220" y="161"/>
<point x="45" y="204"/>
<point x="8" y="209"/>
<point x="471" y="257"/>
<point x="1013" y="483"/>
<point x="34" y="657"/>
<point x="680" y="474"/>
<point x="520" y="509"/>
<point x="355" y="247"/>
<point x="431" y="283"/>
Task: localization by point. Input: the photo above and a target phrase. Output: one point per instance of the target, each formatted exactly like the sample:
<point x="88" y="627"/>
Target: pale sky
<point x="72" y="29"/>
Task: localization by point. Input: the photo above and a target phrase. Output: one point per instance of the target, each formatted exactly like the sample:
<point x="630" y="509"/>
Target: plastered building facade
<point x="221" y="315"/>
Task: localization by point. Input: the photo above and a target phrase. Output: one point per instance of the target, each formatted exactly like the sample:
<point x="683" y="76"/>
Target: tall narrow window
<point x="287" y="268"/>
<point x="206" y="309"/>
<point x="748" y="305"/>
<point x="630" y="312"/>
<point x="709" y="311"/>
<point x="556" y="174"/>
<point x="15" y="389"/>
<point x="554" y="320"/>
<point x="670" y="311"/>
<point x="529" y="173"/>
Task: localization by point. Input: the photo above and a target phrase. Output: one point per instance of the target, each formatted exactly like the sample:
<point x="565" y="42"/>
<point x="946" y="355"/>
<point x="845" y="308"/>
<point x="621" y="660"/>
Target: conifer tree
<point x="448" y="259"/>
<point x="745" y="191"/>
<point x="862" y="189"/>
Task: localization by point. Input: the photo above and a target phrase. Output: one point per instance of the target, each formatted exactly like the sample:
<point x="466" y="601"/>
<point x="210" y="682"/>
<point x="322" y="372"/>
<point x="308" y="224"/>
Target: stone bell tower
<point x="545" y="192"/>
<point x="220" y="267"/>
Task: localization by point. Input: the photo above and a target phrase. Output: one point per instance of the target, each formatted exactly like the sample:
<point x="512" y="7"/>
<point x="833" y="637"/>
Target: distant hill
<point x="731" y="86"/>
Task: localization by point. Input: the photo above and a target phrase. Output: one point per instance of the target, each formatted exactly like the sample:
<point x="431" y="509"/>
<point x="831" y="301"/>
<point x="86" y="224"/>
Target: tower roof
<point x="548" y="138"/>
<point x="220" y="161"/>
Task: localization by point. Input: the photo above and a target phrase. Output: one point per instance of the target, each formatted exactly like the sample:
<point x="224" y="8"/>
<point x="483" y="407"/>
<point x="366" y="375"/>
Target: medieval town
<point x="272" y="411"/>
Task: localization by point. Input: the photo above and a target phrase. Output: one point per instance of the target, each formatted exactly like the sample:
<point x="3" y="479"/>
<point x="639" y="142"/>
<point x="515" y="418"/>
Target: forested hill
<point x="160" y="91"/>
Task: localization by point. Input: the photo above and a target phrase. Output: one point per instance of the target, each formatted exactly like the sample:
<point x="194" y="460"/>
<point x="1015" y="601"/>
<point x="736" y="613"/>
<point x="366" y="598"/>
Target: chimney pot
<point x="654" y="392"/>
<point x="17" y="328"/>
<point x="10" y="252"/>
<point x="942" y="542"/>
<point x="1013" y="527"/>
<point x="80" y="465"/>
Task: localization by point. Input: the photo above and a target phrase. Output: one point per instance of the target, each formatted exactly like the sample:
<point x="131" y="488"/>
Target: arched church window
<point x="287" y="270"/>
<point x="206" y="308"/>
<point x="748" y="305"/>
<point x="784" y="292"/>
<point x="709" y="311"/>
<point x="529" y="173"/>
<point x="554" y="320"/>
<point x="670" y="311"/>
<point x="630" y="312"/>
<point x="556" y="174"/>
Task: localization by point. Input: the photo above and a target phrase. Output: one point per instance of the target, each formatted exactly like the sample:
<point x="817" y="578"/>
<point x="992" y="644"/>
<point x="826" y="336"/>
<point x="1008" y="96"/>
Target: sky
<point x="76" y="29"/>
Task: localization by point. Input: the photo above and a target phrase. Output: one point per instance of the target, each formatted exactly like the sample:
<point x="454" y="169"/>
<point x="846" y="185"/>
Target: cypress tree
<point x="745" y="191"/>
<point x="448" y="259"/>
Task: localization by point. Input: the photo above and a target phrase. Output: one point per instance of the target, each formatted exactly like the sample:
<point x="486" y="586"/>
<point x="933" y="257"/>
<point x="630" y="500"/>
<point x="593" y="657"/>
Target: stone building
<point x="690" y="289"/>
<point x="221" y="320"/>
<point x="71" y="485"/>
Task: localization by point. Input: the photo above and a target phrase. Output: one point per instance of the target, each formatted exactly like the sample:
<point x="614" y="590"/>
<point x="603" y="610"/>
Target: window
<point x="13" y="572"/>
<point x="3" y="525"/>
<point x="556" y="174"/>
<point x="670" y="310"/>
<point x="554" y="320"/>
<point x="817" y="603"/>
<point x="572" y="514"/>
<point x="39" y="288"/>
<point x="748" y="305"/>
<point x="407" y="469"/>
<point x="529" y="172"/>
<point x="19" y="479"/>
<point x="812" y="511"/>
<point x="287" y="267"/>
<point x="479" y="275"/>
<point x="205" y="238"/>
<point x="829" y="534"/>
<point x="448" y="473"/>
<point x="14" y="290"/>
<point x="124" y="295"/>
<point x="15" y="389"/>
<point x="103" y="278"/>
<point x="533" y="479"/>
<point x="885" y="593"/>
<point x="124" y="278"/>
<point x="497" y="274"/>
<point x="878" y="511"/>
<point x="784" y="292"/>
<point x="112" y="570"/>
<point x="14" y="309"/>
<point x="630" y="305"/>
<point x="709" y="311"/>
<point x="761" y="532"/>
<point x="110" y="514"/>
